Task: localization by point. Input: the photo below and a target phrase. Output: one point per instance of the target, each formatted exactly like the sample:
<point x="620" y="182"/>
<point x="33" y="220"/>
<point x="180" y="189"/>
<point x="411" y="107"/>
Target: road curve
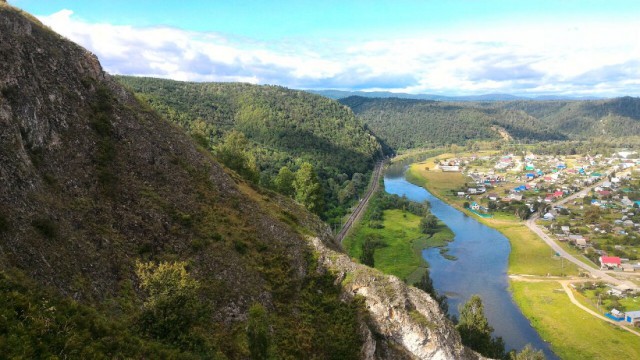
<point x="565" y="286"/>
<point x="531" y="224"/>
<point x="362" y="205"/>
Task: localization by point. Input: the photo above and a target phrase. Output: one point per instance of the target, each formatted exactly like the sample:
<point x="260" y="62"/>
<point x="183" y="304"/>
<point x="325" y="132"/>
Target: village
<point x="590" y="205"/>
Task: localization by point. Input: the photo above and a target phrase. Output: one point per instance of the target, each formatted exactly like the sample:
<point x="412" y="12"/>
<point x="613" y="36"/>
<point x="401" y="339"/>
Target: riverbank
<point x="529" y="254"/>
<point x="544" y="303"/>
<point x="402" y="244"/>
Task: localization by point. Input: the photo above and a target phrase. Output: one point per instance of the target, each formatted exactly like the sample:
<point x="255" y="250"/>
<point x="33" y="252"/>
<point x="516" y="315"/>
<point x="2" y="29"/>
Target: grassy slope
<point x="402" y="255"/>
<point x="574" y="333"/>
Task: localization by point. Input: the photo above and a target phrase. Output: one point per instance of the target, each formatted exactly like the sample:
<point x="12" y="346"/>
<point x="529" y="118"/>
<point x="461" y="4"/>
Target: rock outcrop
<point x="403" y="319"/>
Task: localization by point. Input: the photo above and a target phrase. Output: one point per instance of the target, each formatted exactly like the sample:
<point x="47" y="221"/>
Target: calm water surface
<point x="482" y="254"/>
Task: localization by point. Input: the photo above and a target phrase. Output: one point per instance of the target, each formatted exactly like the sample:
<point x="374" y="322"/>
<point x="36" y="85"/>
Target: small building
<point x="475" y="206"/>
<point x="581" y="243"/>
<point x="632" y="316"/>
<point x="548" y="217"/>
<point x="617" y="314"/>
<point x="609" y="262"/>
<point x="565" y="229"/>
<point x="492" y="196"/>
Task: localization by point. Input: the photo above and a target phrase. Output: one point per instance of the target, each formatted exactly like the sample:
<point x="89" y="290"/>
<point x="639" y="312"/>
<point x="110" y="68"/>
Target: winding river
<point x="481" y="267"/>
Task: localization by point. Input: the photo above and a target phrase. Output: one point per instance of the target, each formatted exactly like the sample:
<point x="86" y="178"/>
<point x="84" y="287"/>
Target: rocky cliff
<point x="93" y="181"/>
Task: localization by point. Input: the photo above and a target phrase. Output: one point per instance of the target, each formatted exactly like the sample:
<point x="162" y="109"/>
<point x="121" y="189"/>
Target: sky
<point x="453" y="47"/>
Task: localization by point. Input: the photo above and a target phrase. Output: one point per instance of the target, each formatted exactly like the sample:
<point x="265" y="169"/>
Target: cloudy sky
<point x="535" y="47"/>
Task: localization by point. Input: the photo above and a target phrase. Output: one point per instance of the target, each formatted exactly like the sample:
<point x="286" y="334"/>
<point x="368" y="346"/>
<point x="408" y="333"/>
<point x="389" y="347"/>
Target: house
<point x="472" y="191"/>
<point x="617" y="314"/>
<point x="581" y="243"/>
<point x="461" y="193"/>
<point x="548" y="217"/>
<point x="632" y="316"/>
<point x="492" y="196"/>
<point x="565" y="229"/>
<point x="516" y="197"/>
<point x="609" y="262"/>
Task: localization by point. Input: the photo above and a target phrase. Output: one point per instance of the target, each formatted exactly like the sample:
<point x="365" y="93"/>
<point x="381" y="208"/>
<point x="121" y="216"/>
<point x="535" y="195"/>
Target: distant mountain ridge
<point x="409" y="123"/>
<point x="341" y="94"/>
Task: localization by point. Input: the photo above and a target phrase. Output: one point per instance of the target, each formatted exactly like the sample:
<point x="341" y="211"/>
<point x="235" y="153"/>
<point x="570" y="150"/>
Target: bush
<point x="46" y="227"/>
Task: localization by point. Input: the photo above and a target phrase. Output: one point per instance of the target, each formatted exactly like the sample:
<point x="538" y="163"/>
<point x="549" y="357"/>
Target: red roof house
<point x="609" y="261"/>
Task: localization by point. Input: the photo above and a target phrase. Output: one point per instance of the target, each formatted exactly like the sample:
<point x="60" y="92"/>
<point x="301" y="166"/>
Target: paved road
<point x="531" y="224"/>
<point x="362" y="205"/>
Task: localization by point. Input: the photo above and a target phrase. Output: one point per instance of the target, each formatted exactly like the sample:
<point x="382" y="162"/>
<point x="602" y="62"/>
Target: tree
<point x="528" y="353"/>
<point x="308" y="189"/>
<point x="592" y="214"/>
<point x="258" y="332"/>
<point x="284" y="181"/>
<point x="368" y="251"/>
<point x="233" y="152"/>
<point x="475" y="331"/>
<point x="172" y="307"/>
<point x="522" y="211"/>
<point x="428" y="224"/>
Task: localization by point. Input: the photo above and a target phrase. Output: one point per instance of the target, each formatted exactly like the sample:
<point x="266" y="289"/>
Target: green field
<point x="574" y="334"/>
<point x="529" y="254"/>
<point x="402" y="254"/>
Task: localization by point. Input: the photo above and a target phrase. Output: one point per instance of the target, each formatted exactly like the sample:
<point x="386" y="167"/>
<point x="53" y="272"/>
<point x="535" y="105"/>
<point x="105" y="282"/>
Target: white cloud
<point x="599" y="58"/>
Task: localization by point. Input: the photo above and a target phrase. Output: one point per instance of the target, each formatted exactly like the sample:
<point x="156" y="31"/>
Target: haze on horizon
<point x="564" y="48"/>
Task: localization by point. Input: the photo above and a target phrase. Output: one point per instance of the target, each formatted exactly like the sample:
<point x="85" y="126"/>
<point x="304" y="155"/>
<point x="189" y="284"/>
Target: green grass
<point x="402" y="254"/>
<point x="529" y="254"/>
<point x="574" y="333"/>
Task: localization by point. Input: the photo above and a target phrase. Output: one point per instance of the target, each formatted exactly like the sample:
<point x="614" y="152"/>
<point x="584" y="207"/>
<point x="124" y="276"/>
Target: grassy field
<point x="529" y="254"/>
<point x="574" y="334"/>
<point x="402" y="254"/>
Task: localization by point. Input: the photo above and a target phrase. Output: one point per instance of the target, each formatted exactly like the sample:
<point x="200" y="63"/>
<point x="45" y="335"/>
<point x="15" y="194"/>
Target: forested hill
<point x="408" y="123"/>
<point x="276" y="126"/>
<point x="610" y="118"/>
<point x="120" y="238"/>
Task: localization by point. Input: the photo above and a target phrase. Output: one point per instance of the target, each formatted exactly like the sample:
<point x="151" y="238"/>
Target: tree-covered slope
<point x="282" y="127"/>
<point x="407" y="123"/>
<point x="609" y="118"/>
<point x="122" y="238"/>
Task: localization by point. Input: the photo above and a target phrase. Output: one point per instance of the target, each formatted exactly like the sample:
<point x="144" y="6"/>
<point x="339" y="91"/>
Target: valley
<point x="151" y="209"/>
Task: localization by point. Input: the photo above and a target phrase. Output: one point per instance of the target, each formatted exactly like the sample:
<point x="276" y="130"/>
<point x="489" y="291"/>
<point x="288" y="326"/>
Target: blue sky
<point x="537" y="47"/>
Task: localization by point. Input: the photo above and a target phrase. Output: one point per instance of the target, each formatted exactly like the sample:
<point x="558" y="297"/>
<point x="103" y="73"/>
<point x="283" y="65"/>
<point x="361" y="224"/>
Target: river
<point x="480" y="268"/>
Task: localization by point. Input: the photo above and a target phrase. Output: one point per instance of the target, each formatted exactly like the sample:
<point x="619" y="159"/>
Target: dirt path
<point x="362" y="205"/>
<point x="565" y="286"/>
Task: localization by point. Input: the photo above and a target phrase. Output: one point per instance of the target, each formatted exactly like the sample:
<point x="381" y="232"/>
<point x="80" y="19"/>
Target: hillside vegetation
<point x="273" y="127"/>
<point x="407" y="123"/>
<point x="121" y="238"/>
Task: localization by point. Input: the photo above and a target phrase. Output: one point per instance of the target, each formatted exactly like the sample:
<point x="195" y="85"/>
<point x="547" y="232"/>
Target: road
<point x="531" y="224"/>
<point x="565" y="286"/>
<point x="362" y="205"/>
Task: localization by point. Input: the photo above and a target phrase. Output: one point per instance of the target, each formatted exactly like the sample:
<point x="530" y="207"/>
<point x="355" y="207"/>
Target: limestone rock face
<point x="405" y="322"/>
